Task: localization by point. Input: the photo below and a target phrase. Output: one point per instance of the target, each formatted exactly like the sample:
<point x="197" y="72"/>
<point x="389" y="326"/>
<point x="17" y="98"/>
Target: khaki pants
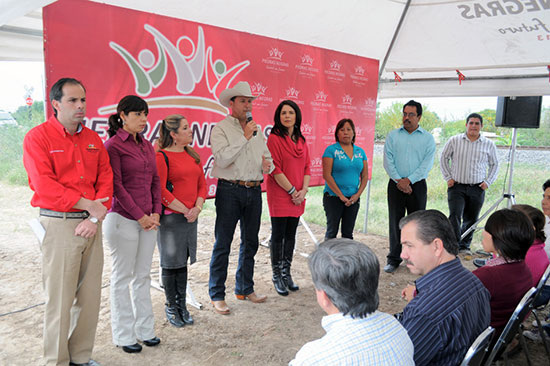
<point x="71" y="275"/>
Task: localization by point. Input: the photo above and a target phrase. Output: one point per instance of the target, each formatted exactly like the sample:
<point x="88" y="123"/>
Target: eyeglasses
<point x="410" y="115"/>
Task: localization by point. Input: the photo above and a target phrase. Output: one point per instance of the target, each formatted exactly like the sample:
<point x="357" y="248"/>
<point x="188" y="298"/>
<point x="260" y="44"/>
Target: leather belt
<point x="246" y="183"/>
<point x="64" y="215"/>
<point x="469" y="184"/>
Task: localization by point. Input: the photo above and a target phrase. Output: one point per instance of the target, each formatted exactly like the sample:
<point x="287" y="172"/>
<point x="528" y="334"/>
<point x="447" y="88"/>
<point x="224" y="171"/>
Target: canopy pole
<point x="405" y="10"/>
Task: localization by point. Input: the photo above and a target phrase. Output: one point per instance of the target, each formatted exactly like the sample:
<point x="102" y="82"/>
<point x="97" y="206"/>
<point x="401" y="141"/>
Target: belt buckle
<point x="246" y="184"/>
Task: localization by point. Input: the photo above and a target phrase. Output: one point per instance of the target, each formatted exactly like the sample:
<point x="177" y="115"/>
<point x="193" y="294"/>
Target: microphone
<point x="248" y="119"/>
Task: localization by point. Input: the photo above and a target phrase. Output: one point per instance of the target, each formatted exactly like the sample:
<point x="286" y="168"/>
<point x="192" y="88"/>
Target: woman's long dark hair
<point x="280" y="130"/>
<point x="173" y="123"/>
<point x="130" y="103"/>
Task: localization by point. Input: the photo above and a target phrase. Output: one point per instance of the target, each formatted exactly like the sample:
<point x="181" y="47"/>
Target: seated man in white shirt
<point x="345" y="275"/>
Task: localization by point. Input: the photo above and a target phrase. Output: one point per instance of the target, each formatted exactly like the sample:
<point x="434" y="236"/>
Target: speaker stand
<point x="509" y="196"/>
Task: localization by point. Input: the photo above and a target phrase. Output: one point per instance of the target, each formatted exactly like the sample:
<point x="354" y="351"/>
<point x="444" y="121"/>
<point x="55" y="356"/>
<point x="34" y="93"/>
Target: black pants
<point x="398" y="203"/>
<point x="465" y="202"/>
<point x="337" y="211"/>
<point x="283" y="238"/>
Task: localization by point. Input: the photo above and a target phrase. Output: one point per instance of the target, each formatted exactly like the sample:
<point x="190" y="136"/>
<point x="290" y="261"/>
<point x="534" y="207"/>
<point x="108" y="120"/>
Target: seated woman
<point x="508" y="234"/>
<point x="536" y="258"/>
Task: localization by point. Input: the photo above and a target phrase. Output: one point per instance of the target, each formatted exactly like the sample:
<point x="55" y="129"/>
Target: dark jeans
<point x="465" y="202"/>
<point x="235" y="203"/>
<point x="337" y="211"/>
<point x="398" y="203"/>
<point x="283" y="238"/>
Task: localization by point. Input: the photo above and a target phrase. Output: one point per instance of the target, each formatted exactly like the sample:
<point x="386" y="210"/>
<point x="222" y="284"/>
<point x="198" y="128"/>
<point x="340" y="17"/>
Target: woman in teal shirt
<point x="345" y="171"/>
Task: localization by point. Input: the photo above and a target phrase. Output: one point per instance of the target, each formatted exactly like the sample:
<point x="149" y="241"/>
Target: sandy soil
<point x="264" y="334"/>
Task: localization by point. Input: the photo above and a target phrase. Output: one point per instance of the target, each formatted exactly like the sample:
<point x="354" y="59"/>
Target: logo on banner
<point x="524" y="10"/>
<point x="335" y="65"/>
<point x="368" y="107"/>
<point x="346" y="105"/>
<point x="275" y="53"/>
<point x="274" y="62"/>
<point x="321" y="96"/>
<point x="307" y="130"/>
<point x="293" y="93"/>
<point x="320" y="103"/>
<point x="260" y="90"/>
<point x="191" y="62"/>
<point x="358" y="77"/>
<point x="316" y="163"/>
<point x="347" y="99"/>
<point x="305" y="68"/>
<point x="307" y="60"/>
<point x="333" y="73"/>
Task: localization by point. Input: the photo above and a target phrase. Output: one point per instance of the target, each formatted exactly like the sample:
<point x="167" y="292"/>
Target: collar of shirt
<point x="60" y="128"/>
<point x="497" y="261"/>
<point x="465" y="137"/>
<point x="432" y="277"/>
<point x="124" y="135"/>
<point x="419" y="130"/>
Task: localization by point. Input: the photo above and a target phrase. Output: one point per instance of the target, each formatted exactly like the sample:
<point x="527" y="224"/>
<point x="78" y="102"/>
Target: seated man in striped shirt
<point x="449" y="307"/>
<point x="345" y="275"/>
<point x="469" y="164"/>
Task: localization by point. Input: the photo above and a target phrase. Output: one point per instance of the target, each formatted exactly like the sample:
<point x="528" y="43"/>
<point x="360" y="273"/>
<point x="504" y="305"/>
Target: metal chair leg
<point x="524" y="346"/>
<point x="542" y="333"/>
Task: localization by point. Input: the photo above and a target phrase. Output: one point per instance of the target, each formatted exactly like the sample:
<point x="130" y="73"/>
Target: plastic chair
<point x="512" y="328"/>
<point x="543" y="281"/>
<point x="478" y="350"/>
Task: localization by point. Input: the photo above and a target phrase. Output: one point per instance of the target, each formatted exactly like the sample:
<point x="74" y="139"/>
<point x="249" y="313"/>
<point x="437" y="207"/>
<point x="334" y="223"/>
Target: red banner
<point x="179" y="66"/>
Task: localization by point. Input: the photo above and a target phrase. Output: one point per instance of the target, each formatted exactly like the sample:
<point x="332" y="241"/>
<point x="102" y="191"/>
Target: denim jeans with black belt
<point x="235" y="203"/>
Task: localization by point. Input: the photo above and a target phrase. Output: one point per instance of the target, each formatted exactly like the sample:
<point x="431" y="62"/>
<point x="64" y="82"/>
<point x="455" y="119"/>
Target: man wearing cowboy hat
<point x="241" y="158"/>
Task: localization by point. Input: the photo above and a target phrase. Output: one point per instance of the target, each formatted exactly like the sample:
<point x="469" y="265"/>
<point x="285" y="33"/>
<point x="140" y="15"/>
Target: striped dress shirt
<point x="469" y="162"/>
<point x="450" y="310"/>
<point x="378" y="339"/>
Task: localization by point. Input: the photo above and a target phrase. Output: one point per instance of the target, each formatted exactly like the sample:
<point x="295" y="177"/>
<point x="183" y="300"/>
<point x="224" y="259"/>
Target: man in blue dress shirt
<point x="449" y="306"/>
<point x="408" y="158"/>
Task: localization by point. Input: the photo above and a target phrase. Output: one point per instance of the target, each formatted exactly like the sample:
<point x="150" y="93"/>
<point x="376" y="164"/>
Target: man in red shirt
<point x="71" y="177"/>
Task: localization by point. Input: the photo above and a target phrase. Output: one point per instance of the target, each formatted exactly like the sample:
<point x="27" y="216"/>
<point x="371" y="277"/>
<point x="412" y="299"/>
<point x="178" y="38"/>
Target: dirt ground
<point x="263" y="334"/>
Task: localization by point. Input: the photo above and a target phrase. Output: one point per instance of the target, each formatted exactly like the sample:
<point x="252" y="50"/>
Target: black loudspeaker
<point x="520" y="112"/>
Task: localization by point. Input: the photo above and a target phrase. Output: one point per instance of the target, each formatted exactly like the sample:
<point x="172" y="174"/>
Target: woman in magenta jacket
<point x="287" y="187"/>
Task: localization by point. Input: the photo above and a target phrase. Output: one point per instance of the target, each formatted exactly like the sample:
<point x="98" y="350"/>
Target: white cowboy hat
<point x="241" y="89"/>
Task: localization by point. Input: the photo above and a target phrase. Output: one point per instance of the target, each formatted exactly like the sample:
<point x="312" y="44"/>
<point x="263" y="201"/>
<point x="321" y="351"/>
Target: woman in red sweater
<point x="536" y="258"/>
<point x="183" y="190"/>
<point x="508" y="234"/>
<point x="287" y="186"/>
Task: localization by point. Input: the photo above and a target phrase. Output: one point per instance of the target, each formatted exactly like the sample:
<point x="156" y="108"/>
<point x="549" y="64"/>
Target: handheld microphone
<point x="248" y="119"/>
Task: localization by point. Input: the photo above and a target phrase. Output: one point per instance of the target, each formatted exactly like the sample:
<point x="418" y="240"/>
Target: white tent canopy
<point x="502" y="47"/>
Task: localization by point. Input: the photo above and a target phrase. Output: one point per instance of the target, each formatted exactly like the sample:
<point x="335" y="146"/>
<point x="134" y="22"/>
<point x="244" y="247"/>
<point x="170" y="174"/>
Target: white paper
<point x="37" y="229"/>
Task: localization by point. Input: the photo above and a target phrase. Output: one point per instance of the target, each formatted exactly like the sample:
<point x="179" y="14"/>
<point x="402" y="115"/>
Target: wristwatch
<point x="93" y="220"/>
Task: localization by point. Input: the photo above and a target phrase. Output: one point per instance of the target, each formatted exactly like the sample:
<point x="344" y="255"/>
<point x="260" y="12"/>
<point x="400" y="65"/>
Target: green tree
<point x="36" y="117"/>
<point x="392" y="117"/>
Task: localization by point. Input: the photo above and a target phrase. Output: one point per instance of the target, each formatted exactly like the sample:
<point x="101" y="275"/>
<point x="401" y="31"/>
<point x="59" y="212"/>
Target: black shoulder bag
<point x="169" y="185"/>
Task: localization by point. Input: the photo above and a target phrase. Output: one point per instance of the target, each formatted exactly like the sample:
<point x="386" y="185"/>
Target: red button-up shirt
<point x="62" y="168"/>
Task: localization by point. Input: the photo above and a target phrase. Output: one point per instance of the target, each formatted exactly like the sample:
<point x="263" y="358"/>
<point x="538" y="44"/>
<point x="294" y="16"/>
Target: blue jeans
<point x="336" y="212"/>
<point x="235" y="203"/>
